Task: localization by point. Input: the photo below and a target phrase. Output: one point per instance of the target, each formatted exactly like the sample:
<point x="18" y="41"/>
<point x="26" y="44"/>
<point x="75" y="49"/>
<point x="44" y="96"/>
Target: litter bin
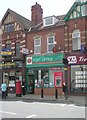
<point x="18" y="88"/>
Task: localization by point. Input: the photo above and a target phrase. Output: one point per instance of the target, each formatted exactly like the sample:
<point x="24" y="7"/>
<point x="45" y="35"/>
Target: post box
<point x="18" y="88"/>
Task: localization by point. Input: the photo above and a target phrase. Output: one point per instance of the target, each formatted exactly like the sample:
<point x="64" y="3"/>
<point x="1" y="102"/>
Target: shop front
<point x="78" y="71"/>
<point x="44" y="71"/>
<point x="10" y="72"/>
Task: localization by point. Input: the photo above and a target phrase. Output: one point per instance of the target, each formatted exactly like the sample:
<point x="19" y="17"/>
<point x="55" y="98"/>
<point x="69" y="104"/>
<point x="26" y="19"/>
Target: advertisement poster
<point x="58" y="79"/>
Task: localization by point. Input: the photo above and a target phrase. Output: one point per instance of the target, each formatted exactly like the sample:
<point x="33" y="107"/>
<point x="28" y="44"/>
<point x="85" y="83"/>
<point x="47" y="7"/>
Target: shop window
<point x="76" y="42"/>
<point x="12" y="79"/>
<point x="79" y="78"/>
<point x="50" y="43"/>
<point x="37" y="46"/>
<point x="42" y="78"/>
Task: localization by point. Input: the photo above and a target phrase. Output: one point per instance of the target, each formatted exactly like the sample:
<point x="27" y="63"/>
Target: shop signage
<point x="25" y="51"/>
<point x="6" y="51"/>
<point x="58" y="68"/>
<point x="82" y="59"/>
<point x="7" y="64"/>
<point x="55" y="58"/>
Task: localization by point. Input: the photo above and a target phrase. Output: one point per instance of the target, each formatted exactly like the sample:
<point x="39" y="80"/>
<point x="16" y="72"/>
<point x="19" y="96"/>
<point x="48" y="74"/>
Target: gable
<point x="76" y="11"/>
<point x="19" y="21"/>
<point x="8" y="19"/>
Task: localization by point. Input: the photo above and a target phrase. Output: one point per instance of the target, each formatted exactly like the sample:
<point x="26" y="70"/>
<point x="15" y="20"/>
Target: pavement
<point x="78" y="100"/>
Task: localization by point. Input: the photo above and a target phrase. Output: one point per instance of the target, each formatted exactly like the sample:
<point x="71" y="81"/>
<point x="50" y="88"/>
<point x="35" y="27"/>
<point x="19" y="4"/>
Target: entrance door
<point x="31" y="84"/>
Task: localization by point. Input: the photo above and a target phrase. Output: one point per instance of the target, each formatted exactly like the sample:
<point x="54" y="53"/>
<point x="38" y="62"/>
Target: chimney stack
<point x="36" y="14"/>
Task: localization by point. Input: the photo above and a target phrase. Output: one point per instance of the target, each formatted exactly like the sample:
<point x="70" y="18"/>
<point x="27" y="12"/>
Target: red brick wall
<point x="59" y="37"/>
<point x="48" y="91"/>
<point x="75" y="24"/>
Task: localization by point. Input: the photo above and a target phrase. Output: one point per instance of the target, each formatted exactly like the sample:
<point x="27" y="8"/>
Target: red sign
<point x="82" y="59"/>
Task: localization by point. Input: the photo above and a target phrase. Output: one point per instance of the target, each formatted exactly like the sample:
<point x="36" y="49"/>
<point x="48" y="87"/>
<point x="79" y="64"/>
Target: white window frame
<point x="84" y="9"/>
<point x="53" y="43"/>
<point x="48" y="21"/>
<point x="76" y="36"/>
<point x="37" y="46"/>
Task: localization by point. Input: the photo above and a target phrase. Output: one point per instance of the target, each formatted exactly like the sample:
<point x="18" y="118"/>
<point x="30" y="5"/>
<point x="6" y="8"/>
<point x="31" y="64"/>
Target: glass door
<point x="31" y="84"/>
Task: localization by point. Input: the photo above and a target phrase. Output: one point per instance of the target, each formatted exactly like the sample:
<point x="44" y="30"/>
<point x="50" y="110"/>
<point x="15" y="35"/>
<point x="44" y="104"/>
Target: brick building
<point x="14" y="28"/>
<point x="76" y="47"/>
<point x="67" y="36"/>
<point x="48" y="41"/>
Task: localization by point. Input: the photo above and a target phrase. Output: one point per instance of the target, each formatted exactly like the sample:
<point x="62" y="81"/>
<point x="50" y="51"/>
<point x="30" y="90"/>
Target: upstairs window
<point x="49" y="21"/>
<point x="37" y="46"/>
<point x="84" y="10"/>
<point x="76" y="42"/>
<point x="50" y="43"/>
<point x="9" y="27"/>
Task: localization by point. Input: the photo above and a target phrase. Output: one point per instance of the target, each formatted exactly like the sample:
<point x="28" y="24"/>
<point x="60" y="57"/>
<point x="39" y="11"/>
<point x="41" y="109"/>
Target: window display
<point x="79" y="77"/>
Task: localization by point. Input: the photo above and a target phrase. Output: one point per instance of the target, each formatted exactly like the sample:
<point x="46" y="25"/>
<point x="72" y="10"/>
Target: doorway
<point x="31" y="84"/>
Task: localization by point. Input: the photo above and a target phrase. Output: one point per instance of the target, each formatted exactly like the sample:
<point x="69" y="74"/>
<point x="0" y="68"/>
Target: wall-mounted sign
<point x="82" y="59"/>
<point x="25" y="51"/>
<point x="7" y="64"/>
<point x="6" y="51"/>
<point x="45" y="59"/>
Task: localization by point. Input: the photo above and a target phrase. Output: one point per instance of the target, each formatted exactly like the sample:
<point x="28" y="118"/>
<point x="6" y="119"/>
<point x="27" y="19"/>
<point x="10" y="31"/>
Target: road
<point x="20" y="109"/>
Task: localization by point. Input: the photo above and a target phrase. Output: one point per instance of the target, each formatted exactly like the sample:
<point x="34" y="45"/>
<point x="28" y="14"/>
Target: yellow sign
<point x="7" y="64"/>
<point x="6" y="53"/>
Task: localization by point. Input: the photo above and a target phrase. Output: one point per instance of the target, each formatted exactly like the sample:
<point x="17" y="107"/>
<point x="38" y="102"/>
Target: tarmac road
<point x="20" y="109"/>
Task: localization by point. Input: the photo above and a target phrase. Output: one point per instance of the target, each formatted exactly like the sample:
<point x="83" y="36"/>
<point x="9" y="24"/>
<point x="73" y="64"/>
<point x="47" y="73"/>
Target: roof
<point x="40" y="26"/>
<point x="70" y="11"/>
<point x="24" y="22"/>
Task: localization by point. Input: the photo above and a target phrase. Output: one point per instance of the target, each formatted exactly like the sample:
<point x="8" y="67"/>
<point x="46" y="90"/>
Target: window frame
<point x="76" y="36"/>
<point x="39" y="46"/>
<point x="9" y="27"/>
<point x="50" y="43"/>
<point x="84" y="10"/>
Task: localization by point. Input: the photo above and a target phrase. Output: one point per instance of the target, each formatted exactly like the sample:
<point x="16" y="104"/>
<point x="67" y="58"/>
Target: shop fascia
<point x="73" y="59"/>
<point x="7" y="64"/>
<point x="44" y="59"/>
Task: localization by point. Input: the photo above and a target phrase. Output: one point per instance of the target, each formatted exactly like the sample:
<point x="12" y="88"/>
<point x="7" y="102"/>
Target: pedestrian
<point x="64" y="89"/>
<point x="3" y="89"/>
<point x="23" y="88"/>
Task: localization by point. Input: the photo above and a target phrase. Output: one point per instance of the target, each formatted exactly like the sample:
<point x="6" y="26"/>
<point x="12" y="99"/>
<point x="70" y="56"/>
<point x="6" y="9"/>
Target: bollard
<point x="56" y="93"/>
<point x="42" y="93"/>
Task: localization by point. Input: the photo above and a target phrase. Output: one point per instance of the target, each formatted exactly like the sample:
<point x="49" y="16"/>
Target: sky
<point x="23" y="7"/>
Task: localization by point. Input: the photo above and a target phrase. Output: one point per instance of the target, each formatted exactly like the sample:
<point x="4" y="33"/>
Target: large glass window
<point x="41" y="78"/>
<point x="50" y="43"/>
<point x="9" y="27"/>
<point x="79" y="78"/>
<point x="76" y="42"/>
<point x="37" y="46"/>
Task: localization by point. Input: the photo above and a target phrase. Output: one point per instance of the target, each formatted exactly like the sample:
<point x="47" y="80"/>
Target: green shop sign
<point x="44" y="60"/>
